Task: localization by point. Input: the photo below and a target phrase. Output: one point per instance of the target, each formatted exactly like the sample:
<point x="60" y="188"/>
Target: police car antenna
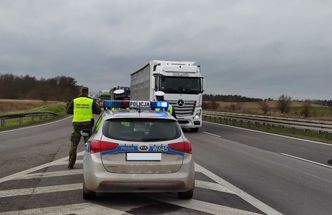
<point x="139" y="108"/>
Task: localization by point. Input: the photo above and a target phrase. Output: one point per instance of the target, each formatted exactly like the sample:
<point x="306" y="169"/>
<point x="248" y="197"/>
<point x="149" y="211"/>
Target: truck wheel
<point x="194" y="129"/>
<point x="88" y="195"/>
<point x="186" y="195"/>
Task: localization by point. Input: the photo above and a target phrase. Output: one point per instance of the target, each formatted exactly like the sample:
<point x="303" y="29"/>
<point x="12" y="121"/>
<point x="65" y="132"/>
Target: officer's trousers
<point x="75" y="139"/>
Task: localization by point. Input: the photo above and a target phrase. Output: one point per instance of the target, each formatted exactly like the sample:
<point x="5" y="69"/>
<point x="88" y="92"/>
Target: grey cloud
<point x="256" y="48"/>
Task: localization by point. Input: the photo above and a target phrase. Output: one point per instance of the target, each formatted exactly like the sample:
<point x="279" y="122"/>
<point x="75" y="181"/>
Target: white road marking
<point x="82" y="208"/>
<point x="205" y="207"/>
<point x="40" y="190"/>
<point x="278" y="135"/>
<point x="306" y="160"/>
<point x="78" y="186"/>
<point x="34" y="126"/>
<point x="52" y="174"/>
<point x="223" y="186"/>
<point x="212" y="186"/>
<point x="65" y="162"/>
<point x="245" y="196"/>
<point x="211" y="134"/>
<point x="20" y="174"/>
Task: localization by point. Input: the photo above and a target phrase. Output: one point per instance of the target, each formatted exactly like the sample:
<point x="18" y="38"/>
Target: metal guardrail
<point x="315" y="125"/>
<point x="21" y="116"/>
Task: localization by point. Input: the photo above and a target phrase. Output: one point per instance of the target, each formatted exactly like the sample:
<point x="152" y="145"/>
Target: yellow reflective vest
<point x="82" y="109"/>
<point x="169" y="109"/>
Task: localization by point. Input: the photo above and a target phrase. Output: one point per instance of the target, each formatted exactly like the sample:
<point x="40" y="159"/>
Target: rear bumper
<point x="97" y="179"/>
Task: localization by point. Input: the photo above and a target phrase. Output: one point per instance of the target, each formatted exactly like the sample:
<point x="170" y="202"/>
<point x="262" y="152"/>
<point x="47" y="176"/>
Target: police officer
<point x="82" y="108"/>
<point x="160" y="97"/>
<point x="119" y="95"/>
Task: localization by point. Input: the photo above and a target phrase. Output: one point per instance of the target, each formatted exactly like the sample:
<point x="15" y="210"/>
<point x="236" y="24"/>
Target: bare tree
<point x="264" y="106"/>
<point x="284" y="102"/>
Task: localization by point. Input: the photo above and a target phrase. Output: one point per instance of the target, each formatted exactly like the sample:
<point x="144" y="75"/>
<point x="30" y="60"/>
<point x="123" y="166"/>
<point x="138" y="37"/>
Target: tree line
<point x="229" y="98"/>
<point x="60" y="88"/>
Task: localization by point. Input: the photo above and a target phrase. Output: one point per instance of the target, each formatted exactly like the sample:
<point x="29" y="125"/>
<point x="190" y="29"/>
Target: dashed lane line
<point x="211" y="134"/>
<point x="245" y="196"/>
<point x="82" y="209"/>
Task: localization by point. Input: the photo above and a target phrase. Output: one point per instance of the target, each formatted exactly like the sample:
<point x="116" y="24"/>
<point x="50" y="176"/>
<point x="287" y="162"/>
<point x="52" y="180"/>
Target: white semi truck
<point x="182" y="83"/>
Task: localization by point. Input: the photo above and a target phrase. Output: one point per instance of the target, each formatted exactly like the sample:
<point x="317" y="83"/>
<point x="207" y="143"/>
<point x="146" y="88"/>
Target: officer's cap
<point x="119" y="91"/>
<point x="159" y="93"/>
<point x="85" y="90"/>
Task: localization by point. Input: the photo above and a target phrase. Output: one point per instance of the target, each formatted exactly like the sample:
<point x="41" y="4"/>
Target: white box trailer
<point x="182" y="83"/>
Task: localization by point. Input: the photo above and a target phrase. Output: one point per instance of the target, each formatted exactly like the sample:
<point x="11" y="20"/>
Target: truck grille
<point x="186" y="109"/>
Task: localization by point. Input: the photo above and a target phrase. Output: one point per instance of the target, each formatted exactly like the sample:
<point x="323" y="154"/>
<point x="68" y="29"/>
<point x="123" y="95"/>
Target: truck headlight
<point x="198" y="114"/>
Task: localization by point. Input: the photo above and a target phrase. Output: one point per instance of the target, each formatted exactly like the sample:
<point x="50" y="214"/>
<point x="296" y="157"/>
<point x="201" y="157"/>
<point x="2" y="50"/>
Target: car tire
<point x="194" y="129"/>
<point x="186" y="195"/>
<point x="88" y="195"/>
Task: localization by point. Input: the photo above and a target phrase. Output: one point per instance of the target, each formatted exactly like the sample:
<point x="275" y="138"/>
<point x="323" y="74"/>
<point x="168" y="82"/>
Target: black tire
<point x="329" y="161"/>
<point x="88" y="195"/>
<point x="194" y="129"/>
<point x="186" y="195"/>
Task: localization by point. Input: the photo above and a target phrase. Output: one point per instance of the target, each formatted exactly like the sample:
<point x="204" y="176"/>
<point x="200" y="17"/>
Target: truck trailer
<point x="182" y="83"/>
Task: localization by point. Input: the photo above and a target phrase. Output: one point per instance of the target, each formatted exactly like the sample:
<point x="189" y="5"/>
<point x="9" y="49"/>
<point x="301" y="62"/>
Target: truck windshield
<point x="186" y="85"/>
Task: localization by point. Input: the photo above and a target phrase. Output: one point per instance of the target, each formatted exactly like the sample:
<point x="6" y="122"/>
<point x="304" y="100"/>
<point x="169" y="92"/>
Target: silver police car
<point x="138" y="151"/>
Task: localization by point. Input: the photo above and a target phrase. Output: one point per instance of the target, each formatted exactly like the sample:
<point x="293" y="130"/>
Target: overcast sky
<point x="257" y="48"/>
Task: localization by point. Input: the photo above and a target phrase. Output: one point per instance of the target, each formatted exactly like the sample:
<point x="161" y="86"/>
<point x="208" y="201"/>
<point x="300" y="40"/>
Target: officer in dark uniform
<point x="82" y="108"/>
<point x="119" y="95"/>
<point x="160" y="97"/>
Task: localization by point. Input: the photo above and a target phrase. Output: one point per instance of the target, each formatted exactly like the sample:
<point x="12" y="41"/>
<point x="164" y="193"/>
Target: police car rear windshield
<point x="141" y="129"/>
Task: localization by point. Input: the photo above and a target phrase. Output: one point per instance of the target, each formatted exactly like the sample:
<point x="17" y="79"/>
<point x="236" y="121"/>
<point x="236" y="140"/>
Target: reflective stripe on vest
<point x="82" y="109"/>
<point x="169" y="109"/>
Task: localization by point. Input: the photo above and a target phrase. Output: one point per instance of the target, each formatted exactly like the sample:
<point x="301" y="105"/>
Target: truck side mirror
<point x="203" y="84"/>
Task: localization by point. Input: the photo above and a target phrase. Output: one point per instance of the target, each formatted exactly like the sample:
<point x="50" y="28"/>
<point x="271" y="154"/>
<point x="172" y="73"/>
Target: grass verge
<point x="292" y="132"/>
<point x="59" y="109"/>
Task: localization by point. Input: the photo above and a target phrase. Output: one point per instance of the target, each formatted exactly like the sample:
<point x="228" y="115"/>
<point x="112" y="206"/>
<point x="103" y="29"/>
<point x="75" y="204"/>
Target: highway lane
<point x="34" y="145"/>
<point x="288" y="185"/>
<point x="274" y="143"/>
<point x="53" y="187"/>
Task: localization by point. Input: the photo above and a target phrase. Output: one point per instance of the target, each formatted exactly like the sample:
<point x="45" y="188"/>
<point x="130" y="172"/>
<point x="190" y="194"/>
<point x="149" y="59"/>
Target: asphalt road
<point x="251" y="162"/>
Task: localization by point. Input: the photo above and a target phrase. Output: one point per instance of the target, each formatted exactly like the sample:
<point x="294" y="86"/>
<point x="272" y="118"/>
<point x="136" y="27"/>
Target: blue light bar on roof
<point x="135" y="104"/>
<point x="116" y="104"/>
<point x="159" y="104"/>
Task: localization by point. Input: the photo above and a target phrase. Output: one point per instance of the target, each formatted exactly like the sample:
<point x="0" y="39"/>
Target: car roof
<point x="138" y="114"/>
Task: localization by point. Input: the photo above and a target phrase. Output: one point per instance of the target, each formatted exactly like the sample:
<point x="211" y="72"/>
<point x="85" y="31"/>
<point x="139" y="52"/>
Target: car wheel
<point x="88" y="195"/>
<point x="186" y="195"/>
<point x="194" y="129"/>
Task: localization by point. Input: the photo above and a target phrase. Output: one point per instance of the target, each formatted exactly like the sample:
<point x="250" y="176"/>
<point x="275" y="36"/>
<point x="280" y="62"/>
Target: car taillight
<point x="100" y="146"/>
<point x="181" y="146"/>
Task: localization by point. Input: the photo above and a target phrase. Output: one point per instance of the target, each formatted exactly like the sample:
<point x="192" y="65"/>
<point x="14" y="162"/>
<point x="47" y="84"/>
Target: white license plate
<point x="143" y="156"/>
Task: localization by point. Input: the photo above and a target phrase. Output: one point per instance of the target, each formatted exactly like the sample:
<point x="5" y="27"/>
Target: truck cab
<point x="182" y="83"/>
<point x="183" y="86"/>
